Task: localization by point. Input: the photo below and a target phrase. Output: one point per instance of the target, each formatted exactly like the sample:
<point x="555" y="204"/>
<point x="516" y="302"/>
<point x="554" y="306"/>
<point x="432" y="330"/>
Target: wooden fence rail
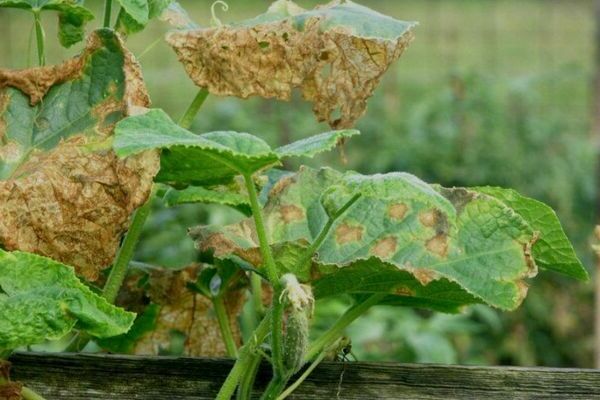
<point x="95" y="377"/>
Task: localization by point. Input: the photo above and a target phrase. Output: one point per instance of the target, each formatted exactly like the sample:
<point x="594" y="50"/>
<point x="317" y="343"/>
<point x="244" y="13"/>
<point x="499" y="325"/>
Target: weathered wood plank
<point x="95" y="377"/>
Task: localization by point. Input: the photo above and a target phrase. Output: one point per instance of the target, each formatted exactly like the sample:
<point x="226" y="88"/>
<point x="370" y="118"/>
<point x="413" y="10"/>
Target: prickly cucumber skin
<point x="296" y="340"/>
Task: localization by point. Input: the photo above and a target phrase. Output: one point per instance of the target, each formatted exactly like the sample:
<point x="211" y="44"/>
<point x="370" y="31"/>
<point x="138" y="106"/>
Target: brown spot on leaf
<point x="73" y="203"/>
<point x="291" y="213"/>
<point x="423" y="275"/>
<point x="532" y="268"/>
<point x="385" y="248"/>
<point x="334" y="70"/>
<point x="398" y="211"/>
<point x="346" y="233"/>
<point x="438" y="245"/>
<point x="428" y="218"/>
<point x="404" y="291"/>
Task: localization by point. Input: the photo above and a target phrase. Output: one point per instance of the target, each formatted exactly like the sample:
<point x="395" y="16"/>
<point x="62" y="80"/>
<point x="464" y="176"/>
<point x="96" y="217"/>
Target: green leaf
<point x="45" y="300"/>
<point x="335" y="54"/>
<point x="127" y="24"/>
<point x="314" y="145"/>
<point x="72" y="16"/>
<point x="197" y="194"/>
<point x="143" y="324"/>
<point x="136" y="9"/>
<point x="471" y="246"/>
<point x="210" y="158"/>
<point x="56" y="167"/>
<point x="552" y="250"/>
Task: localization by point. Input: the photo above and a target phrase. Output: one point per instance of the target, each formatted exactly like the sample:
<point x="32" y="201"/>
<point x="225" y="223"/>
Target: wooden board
<point x="91" y="377"/>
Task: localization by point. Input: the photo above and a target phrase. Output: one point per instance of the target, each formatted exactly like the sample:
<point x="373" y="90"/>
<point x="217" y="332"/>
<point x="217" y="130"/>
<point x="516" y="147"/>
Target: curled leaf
<point x="63" y="192"/>
<point x="400" y="236"/>
<point x="335" y="54"/>
<point x="45" y="300"/>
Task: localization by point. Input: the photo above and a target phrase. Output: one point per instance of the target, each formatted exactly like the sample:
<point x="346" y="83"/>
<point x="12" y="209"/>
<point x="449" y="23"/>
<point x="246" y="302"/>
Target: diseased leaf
<point x="197" y="194"/>
<point x="177" y="17"/>
<point x="552" y="251"/>
<point x="210" y="158"/>
<point x="72" y="16"/>
<point x="462" y="240"/>
<point x="45" y="300"/>
<point x="314" y="145"/>
<point x="128" y="24"/>
<point x="63" y="192"/>
<point x="335" y="54"/>
<point x="184" y="312"/>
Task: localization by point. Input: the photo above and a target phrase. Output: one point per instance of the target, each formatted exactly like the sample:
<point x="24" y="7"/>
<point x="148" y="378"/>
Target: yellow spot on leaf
<point x="346" y="233"/>
<point x="438" y="245"/>
<point x="398" y="211"/>
<point x="385" y="247"/>
<point x="291" y="213"/>
<point x="428" y="218"/>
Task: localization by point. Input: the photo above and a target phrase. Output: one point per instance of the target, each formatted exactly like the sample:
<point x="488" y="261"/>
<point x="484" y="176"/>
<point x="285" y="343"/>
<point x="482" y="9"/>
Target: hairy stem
<point x="225" y="327"/>
<point x="256" y="287"/>
<point x="245" y="359"/>
<point x="334" y="333"/>
<point x="107" y="13"/>
<point x="188" y="117"/>
<point x="271" y="268"/>
<point x="247" y="381"/>
<point x="119" y="270"/>
<point x="39" y="36"/>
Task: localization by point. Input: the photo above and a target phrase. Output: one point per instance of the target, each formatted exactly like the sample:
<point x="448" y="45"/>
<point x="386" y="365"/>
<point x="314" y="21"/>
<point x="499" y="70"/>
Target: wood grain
<point x="91" y="377"/>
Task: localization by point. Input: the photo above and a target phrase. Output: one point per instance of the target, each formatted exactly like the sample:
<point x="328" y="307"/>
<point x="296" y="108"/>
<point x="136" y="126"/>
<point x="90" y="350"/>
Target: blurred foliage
<point x="491" y="92"/>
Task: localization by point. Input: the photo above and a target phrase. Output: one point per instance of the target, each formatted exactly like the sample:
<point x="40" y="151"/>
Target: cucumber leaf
<point x="135" y="14"/>
<point x="335" y="54"/>
<point x="400" y="236"/>
<point x="72" y="16"/>
<point x="63" y="192"/>
<point x="552" y="251"/>
<point x="198" y="194"/>
<point x="210" y="158"/>
<point x="44" y="300"/>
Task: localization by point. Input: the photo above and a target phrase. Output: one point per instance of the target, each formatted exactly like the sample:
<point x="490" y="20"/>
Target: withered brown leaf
<point x="335" y="54"/>
<point x="182" y="311"/>
<point x="63" y="192"/>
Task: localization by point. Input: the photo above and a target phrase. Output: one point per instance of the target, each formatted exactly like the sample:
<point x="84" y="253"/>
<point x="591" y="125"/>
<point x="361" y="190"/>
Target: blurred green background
<point x="490" y="92"/>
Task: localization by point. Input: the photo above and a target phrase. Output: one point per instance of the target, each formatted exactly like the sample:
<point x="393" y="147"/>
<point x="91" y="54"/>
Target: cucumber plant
<point x="81" y="155"/>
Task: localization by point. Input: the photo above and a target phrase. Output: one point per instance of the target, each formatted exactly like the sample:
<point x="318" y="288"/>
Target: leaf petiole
<point x="224" y="325"/>
<point x="40" y="37"/>
<point x="107" y="13"/>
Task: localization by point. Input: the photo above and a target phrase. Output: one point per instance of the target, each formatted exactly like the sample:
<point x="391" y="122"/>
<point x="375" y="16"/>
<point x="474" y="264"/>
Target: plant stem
<point x="333" y="333"/>
<point x="223" y="319"/>
<point x="40" y="36"/>
<point x="256" y="287"/>
<point x="302" y="377"/>
<point x="119" y="270"/>
<point x="247" y="352"/>
<point x="107" y="13"/>
<point x="247" y="381"/>
<point x="188" y="117"/>
<point x="271" y="267"/>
